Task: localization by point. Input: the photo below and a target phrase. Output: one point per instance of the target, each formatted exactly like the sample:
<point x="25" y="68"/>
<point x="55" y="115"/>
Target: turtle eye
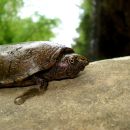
<point x="72" y="61"/>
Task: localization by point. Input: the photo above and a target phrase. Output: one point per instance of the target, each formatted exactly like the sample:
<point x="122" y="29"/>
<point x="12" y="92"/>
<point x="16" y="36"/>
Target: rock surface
<point x="99" y="99"/>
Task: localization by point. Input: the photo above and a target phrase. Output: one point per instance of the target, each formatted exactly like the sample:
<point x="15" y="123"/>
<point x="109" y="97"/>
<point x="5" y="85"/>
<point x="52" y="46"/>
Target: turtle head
<point x="71" y="64"/>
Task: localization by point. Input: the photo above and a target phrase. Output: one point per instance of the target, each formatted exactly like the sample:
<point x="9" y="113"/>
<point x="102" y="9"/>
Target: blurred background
<point x="98" y="29"/>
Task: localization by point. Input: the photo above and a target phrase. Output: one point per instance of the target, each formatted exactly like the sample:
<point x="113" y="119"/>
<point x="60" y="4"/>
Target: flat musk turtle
<point x="37" y="63"/>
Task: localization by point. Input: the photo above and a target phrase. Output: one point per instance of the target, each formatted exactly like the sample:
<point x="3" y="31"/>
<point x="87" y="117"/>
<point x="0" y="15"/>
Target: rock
<point x="99" y="99"/>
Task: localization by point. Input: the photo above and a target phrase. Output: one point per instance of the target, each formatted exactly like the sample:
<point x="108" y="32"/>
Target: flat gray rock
<point x="99" y="99"/>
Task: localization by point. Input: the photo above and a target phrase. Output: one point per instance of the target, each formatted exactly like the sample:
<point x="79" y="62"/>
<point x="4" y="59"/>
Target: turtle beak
<point x="84" y="60"/>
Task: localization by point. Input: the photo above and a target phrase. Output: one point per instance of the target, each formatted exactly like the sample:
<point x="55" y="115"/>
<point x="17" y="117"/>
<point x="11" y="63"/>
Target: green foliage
<point x="14" y="29"/>
<point x="83" y="41"/>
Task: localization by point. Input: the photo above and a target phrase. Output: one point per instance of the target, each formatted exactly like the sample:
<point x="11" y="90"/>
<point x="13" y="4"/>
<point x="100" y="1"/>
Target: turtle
<point x="37" y="63"/>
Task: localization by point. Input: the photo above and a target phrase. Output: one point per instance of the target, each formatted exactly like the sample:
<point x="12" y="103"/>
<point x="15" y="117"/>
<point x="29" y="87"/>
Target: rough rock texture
<point x="99" y="99"/>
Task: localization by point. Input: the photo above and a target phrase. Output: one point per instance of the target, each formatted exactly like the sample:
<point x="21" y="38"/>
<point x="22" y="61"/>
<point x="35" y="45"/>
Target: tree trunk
<point x="112" y="30"/>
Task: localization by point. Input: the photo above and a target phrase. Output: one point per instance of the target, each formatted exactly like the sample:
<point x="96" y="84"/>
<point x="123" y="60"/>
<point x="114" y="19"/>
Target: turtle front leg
<point x="32" y="92"/>
<point x="42" y="83"/>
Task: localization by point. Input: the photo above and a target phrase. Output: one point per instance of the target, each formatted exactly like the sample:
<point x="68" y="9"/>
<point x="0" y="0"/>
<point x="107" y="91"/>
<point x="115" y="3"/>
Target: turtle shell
<point x="20" y="61"/>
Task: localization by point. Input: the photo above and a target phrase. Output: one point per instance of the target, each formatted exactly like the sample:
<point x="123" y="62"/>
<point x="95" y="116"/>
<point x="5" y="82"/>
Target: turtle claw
<point x="19" y="100"/>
